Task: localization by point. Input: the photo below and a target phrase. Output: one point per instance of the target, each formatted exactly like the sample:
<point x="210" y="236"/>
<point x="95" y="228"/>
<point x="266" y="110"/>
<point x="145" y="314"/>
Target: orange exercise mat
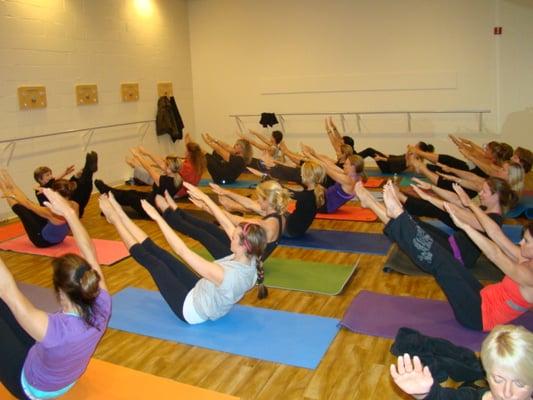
<point x="373" y="182"/>
<point x="11" y="231"/>
<point x="346" y="213"/>
<point x="104" y="380"/>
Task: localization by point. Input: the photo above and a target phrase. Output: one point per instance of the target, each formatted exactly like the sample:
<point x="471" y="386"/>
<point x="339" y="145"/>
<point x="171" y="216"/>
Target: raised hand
<point x="465" y="200"/>
<point x="218" y="190"/>
<point x="69" y="170"/>
<point x="421" y="184"/>
<point x="107" y="208"/>
<point x="452" y="210"/>
<point x="194" y="191"/>
<point x="413" y="378"/>
<point x="150" y="209"/>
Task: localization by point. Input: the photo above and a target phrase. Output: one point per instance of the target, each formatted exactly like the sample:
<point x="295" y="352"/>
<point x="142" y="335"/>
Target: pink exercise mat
<point x="108" y="252"/>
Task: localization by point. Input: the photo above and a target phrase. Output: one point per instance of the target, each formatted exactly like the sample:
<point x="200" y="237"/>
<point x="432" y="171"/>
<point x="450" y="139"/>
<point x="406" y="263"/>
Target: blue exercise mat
<point x="234" y="185"/>
<point x="513" y="232"/>
<point x="349" y="242"/>
<point x="525" y="206"/>
<point x="278" y="336"/>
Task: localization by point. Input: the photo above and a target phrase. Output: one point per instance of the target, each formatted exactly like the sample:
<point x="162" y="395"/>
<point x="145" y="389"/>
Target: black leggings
<point x="222" y="171"/>
<point x="84" y="188"/>
<point x="33" y="225"/>
<point x="132" y="198"/>
<point x="213" y="238"/>
<point x="446" y="184"/>
<point x="173" y="278"/>
<point x="395" y="164"/>
<point x="285" y="173"/>
<point x="458" y="284"/>
<point x="14" y="346"/>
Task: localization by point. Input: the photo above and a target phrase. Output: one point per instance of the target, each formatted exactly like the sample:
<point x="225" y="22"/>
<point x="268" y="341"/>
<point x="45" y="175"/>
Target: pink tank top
<point x="502" y="302"/>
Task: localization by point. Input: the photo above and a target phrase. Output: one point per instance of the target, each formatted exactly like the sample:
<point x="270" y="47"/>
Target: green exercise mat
<point x="305" y="276"/>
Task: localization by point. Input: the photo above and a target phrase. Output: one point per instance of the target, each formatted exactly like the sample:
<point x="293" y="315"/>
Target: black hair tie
<point x="80" y="272"/>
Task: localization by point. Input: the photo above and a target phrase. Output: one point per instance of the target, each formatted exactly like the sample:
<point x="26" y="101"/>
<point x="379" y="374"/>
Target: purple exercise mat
<point x="382" y="315"/>
<point x="42" y="298"/>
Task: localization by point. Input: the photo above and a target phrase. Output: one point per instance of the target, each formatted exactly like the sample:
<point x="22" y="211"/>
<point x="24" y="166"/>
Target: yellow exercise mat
<point x="104" y="380"/>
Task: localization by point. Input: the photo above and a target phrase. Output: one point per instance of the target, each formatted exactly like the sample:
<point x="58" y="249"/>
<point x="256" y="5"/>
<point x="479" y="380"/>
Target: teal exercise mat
<point x="239" y="184"/>
<point x="299" y="340"/>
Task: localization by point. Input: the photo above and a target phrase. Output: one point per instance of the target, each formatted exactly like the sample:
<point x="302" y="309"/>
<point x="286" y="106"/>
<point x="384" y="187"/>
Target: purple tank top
<point x="336" y="197"/>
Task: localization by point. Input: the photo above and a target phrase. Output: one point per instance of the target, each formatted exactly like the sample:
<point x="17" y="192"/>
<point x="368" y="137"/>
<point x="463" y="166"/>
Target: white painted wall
<point x="344" y="55"/>
<point x="61" y="43"/>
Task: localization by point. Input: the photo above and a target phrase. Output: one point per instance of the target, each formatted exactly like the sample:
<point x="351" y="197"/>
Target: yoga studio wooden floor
<point x="354" y="367"/>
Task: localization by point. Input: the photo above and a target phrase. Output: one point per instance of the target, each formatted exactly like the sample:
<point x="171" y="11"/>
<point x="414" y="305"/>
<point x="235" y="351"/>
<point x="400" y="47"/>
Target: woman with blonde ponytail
<point x="43" y="355"/>
<point x="308" y="201"/>
<point x="208" y="289"/>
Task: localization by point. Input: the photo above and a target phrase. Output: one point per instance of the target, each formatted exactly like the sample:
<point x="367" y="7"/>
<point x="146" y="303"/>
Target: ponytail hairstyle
<point x="349" y="141"/>
<point x="515" y="176"/>
<point x="507" y="198"/>
<point x="275" y="194"/>
<point x="64" y="187"/>
<point x="524" y="157"/>
<point x="313" y="173"/>
<point x="79" y="282"/>
<point x="247" y="150"/>
<point x="197" y="158"/>
<point x="425" y="147"/>
<point x="253" y="238"/>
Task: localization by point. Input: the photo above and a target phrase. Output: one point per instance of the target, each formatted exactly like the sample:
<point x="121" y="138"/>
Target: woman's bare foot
<point x="364" y="196"/>
<point x="392" y="204"/>
<point x="170" y="201"/>
<point x="107" y="209"/>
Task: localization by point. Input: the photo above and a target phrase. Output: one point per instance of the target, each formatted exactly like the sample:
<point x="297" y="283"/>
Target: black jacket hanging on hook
<point x="168" y="119"/>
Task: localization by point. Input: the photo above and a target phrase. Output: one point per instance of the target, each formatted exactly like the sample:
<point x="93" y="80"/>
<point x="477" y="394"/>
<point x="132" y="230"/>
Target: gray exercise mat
<point x="400" y="262"/>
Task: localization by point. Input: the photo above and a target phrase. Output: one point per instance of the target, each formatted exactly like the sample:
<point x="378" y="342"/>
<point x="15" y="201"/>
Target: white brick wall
<point x="61" y="43"/>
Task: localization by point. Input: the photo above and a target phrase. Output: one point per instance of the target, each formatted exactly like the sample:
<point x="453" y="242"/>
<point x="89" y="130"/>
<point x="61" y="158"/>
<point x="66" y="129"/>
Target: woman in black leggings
<point x="227" y="163"/>
<point x="43" y="227"/>
<point x="166" y="179"/>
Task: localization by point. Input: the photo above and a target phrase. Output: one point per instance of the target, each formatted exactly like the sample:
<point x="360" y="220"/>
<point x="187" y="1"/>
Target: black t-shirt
<point x="232" y="168"/>
<point x="466" y="393"/>
<point x="166" y="183"/>
<point x="299" y="221"/>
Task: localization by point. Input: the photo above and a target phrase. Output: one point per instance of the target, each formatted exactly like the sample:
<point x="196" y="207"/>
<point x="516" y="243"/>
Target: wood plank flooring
<point x="354" y="367"/>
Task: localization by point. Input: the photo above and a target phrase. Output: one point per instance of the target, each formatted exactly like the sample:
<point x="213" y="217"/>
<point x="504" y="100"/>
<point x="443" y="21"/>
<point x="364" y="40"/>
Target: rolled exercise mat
<point x="103" y="380"/>
<point x="429" y="317"/>
<point x="400" y="262"/>
<point x="278" y="336"/>
<point x="350" y="242"/>
<point x="239" y="184"/>
<point x="108" y="252"/>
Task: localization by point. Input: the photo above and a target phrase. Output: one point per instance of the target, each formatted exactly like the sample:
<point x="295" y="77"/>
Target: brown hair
<point x="247" y="150"/>
<point x="197" y="157"/>
<point x="254" y="239"/>
<point x="525" y="158"/>
<point x="78" y="281"/>
<point x="506" y="196"/>
<point x="64" y="187"/>
<point x="39" y="172"/>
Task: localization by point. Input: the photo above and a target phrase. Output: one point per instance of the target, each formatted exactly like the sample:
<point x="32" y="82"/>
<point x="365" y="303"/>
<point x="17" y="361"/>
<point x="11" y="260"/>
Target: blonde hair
<point x="174" y="164"/>
<point x="277" y="196"/>
<point x="314" y="173"/>
<point x="516" y="176"/>
<point x="510" y="348"/>
<point x="247" y="150"/>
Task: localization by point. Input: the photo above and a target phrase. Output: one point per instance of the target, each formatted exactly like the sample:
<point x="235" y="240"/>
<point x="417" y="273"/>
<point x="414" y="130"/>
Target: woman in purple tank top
<point x="43" y="227"/>
<point x="44" y="354"/>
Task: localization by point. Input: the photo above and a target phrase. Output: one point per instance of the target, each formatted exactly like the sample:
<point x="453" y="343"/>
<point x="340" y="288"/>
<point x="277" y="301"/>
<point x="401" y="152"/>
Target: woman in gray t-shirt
<point x="206" y="290"/>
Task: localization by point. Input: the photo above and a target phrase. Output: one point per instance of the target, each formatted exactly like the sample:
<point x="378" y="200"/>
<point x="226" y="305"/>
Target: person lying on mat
<point x="513" y="174"/>
<point x="43" y="227"/>
<point x="43" y="355"/>
<point x="271" y="204"/>
<point x="83" y="179"/>
<point x="192" y="166"/>
<point x="474" y="306"/>
<point x="395" y="164"/>
<point x="495" y="198"/>
<point x="345" y="179"/>
<point x="308" y="200"/>
<point x="208" y="289"/>
<point x="227" y="163"/>
<point x="506" y="358"/>
<point x="167" y="175"/>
